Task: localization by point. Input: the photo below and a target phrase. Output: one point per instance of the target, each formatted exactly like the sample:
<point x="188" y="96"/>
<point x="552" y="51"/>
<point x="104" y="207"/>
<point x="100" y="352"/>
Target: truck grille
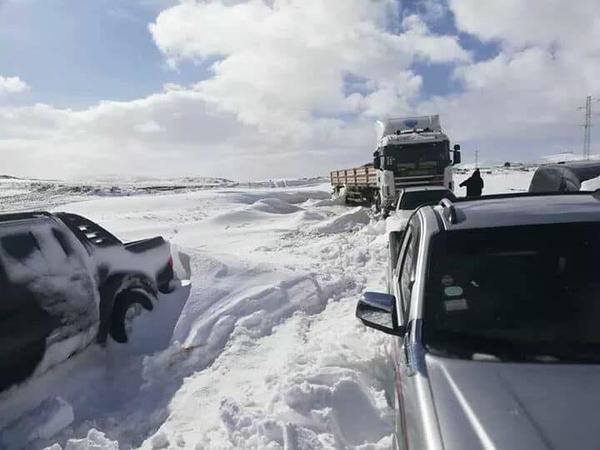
<point x="400" y="182"/>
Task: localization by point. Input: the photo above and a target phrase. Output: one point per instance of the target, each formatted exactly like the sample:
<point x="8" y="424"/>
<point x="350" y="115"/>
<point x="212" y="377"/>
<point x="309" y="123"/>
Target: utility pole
<point x="477" y="159"/>
<point x="587" y="126"/>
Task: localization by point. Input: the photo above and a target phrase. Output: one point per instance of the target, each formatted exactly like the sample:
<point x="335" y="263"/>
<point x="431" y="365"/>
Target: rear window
<point x="412" y="200"/>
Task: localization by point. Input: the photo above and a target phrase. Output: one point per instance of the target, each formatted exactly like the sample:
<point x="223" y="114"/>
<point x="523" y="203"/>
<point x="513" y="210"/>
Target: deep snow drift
<point x="267" y="353"/>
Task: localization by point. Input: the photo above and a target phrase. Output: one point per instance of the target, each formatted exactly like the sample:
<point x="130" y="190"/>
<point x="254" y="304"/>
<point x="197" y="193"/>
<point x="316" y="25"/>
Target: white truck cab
<point x="412" y="151"/>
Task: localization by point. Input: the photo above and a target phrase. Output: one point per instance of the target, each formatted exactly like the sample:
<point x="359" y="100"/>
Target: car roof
<point x="425" y="188"/>
<point x="34" y="215"/>
<point x="520" y="209"/>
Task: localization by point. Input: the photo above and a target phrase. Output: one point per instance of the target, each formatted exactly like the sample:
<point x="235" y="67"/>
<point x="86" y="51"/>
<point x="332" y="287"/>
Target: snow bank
<point x="274" y="206"/>
<point x="95" y="440"/>
<point x="347" y="221"/>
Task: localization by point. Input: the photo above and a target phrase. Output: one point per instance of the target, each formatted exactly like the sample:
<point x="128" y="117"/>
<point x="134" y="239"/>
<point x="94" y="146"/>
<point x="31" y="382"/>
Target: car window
<point x="63" y="241"/>
<point x="412" y="200"/>
<point x="19" y="245"/>
<point x="409" y="263"/>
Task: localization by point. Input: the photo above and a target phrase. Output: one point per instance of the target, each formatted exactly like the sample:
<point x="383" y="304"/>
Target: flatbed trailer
<point x="360" y="184"/>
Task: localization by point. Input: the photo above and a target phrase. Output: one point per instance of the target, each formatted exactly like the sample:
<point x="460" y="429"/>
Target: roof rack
<point x="449" y="210"/>
<point x="9" y="217"/>
<point x="523" y="194"/>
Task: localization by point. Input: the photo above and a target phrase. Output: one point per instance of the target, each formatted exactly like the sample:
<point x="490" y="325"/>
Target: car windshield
<point x="527" y="293"/>
<point x="412" y="200"/>
<point x="416" y="156"/>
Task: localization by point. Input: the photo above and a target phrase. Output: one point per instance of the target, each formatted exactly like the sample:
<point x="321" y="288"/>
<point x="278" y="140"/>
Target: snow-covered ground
<point x="267" y="353"/>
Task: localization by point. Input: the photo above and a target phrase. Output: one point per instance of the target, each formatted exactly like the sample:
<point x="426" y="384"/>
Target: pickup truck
<point x="493" y="309"/>
<point x="66" y="282"/>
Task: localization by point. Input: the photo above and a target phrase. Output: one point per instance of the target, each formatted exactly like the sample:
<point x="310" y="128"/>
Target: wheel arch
<point x="113" y="288"/>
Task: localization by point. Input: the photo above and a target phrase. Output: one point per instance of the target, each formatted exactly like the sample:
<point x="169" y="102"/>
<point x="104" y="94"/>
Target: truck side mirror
<point x="377" y="310"/>
<point x="457" y="158"/>
<point x="377" y="162"/>
<point x="456" y="147"/>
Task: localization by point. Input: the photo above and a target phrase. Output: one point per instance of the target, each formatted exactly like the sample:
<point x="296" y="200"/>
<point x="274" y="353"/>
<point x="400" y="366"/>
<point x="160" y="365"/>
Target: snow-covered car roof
<point x="516" y="210"/>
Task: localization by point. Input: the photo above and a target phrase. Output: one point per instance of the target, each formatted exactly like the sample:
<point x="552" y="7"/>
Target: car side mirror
<point x="377" y="310"/>
<point x="376" y="163"/>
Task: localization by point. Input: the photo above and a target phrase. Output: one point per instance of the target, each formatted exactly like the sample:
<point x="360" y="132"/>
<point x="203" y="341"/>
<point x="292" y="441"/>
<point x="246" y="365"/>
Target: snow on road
<point x="267" y="352"/>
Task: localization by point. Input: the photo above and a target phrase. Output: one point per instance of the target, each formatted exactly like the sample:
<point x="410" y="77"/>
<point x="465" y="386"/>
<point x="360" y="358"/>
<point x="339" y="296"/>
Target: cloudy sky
<point x="255" y="89"/>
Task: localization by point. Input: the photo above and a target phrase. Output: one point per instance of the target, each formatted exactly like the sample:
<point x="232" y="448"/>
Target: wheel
<point x="126" y="302"/>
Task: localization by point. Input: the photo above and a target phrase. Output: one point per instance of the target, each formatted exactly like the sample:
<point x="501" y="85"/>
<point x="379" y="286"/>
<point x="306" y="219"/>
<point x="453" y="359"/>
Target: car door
<point x="404" y="279"/>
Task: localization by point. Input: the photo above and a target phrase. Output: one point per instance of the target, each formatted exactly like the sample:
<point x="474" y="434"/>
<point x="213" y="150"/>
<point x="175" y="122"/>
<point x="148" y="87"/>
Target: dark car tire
<point x="124" y="301"/>
<point x="117" y="295"/>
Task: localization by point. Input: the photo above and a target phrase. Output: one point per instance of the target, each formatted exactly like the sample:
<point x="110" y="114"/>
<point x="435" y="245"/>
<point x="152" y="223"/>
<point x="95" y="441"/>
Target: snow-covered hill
<point x="267" y="354"/>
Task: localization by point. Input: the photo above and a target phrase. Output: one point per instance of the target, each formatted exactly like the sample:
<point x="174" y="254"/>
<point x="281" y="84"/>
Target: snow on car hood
<point x="515" y="406"/>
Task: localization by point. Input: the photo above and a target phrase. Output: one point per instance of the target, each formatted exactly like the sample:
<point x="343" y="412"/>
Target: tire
<point x="123" y="303"/>
<point x="117" y="295"/>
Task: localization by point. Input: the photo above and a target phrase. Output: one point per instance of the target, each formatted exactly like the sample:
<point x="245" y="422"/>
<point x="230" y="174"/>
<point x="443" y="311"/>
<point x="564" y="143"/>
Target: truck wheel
<point x="124" y="302"/>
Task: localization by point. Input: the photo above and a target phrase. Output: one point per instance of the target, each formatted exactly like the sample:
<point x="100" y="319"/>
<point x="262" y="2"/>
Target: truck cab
<point x="412" y="152"/>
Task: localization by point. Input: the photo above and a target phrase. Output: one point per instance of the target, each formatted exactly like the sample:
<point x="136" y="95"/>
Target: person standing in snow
<point x="474" y="184"/>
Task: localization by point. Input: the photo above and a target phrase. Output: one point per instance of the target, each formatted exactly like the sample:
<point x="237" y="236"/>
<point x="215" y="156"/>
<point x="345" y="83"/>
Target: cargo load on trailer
<point x="411" y="151"/>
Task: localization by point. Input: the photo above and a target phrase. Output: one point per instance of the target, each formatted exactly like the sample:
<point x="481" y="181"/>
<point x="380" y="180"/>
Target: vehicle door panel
<point x="403" y="282"/>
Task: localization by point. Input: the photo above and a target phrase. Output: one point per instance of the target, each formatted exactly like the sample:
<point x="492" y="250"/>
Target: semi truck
<point x="412" y="151"/>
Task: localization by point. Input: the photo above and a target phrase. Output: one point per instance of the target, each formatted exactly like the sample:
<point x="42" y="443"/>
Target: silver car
<point x="494" y="305"/>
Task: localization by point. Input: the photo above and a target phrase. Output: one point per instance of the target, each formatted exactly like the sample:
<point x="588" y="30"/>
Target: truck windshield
<point x="412" y="200"/>
<point x="431" y="155"/>
<point x="527" y="293"/>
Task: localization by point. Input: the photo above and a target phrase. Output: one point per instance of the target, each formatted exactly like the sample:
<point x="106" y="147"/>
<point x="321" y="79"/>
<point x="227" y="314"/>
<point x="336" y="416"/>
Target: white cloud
<point x="171" y="133"/>
<point x="283" y="63"/>
<point x="12" y="85"/>
<point x="546" y="23"/>
<point x="271" y="107"/>
<point x="297" y="84"/>
<point x="522" y="103"/>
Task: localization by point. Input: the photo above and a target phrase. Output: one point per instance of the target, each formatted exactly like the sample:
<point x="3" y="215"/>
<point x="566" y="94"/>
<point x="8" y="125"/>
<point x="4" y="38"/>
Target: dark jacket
<point x="474" y="184"/>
